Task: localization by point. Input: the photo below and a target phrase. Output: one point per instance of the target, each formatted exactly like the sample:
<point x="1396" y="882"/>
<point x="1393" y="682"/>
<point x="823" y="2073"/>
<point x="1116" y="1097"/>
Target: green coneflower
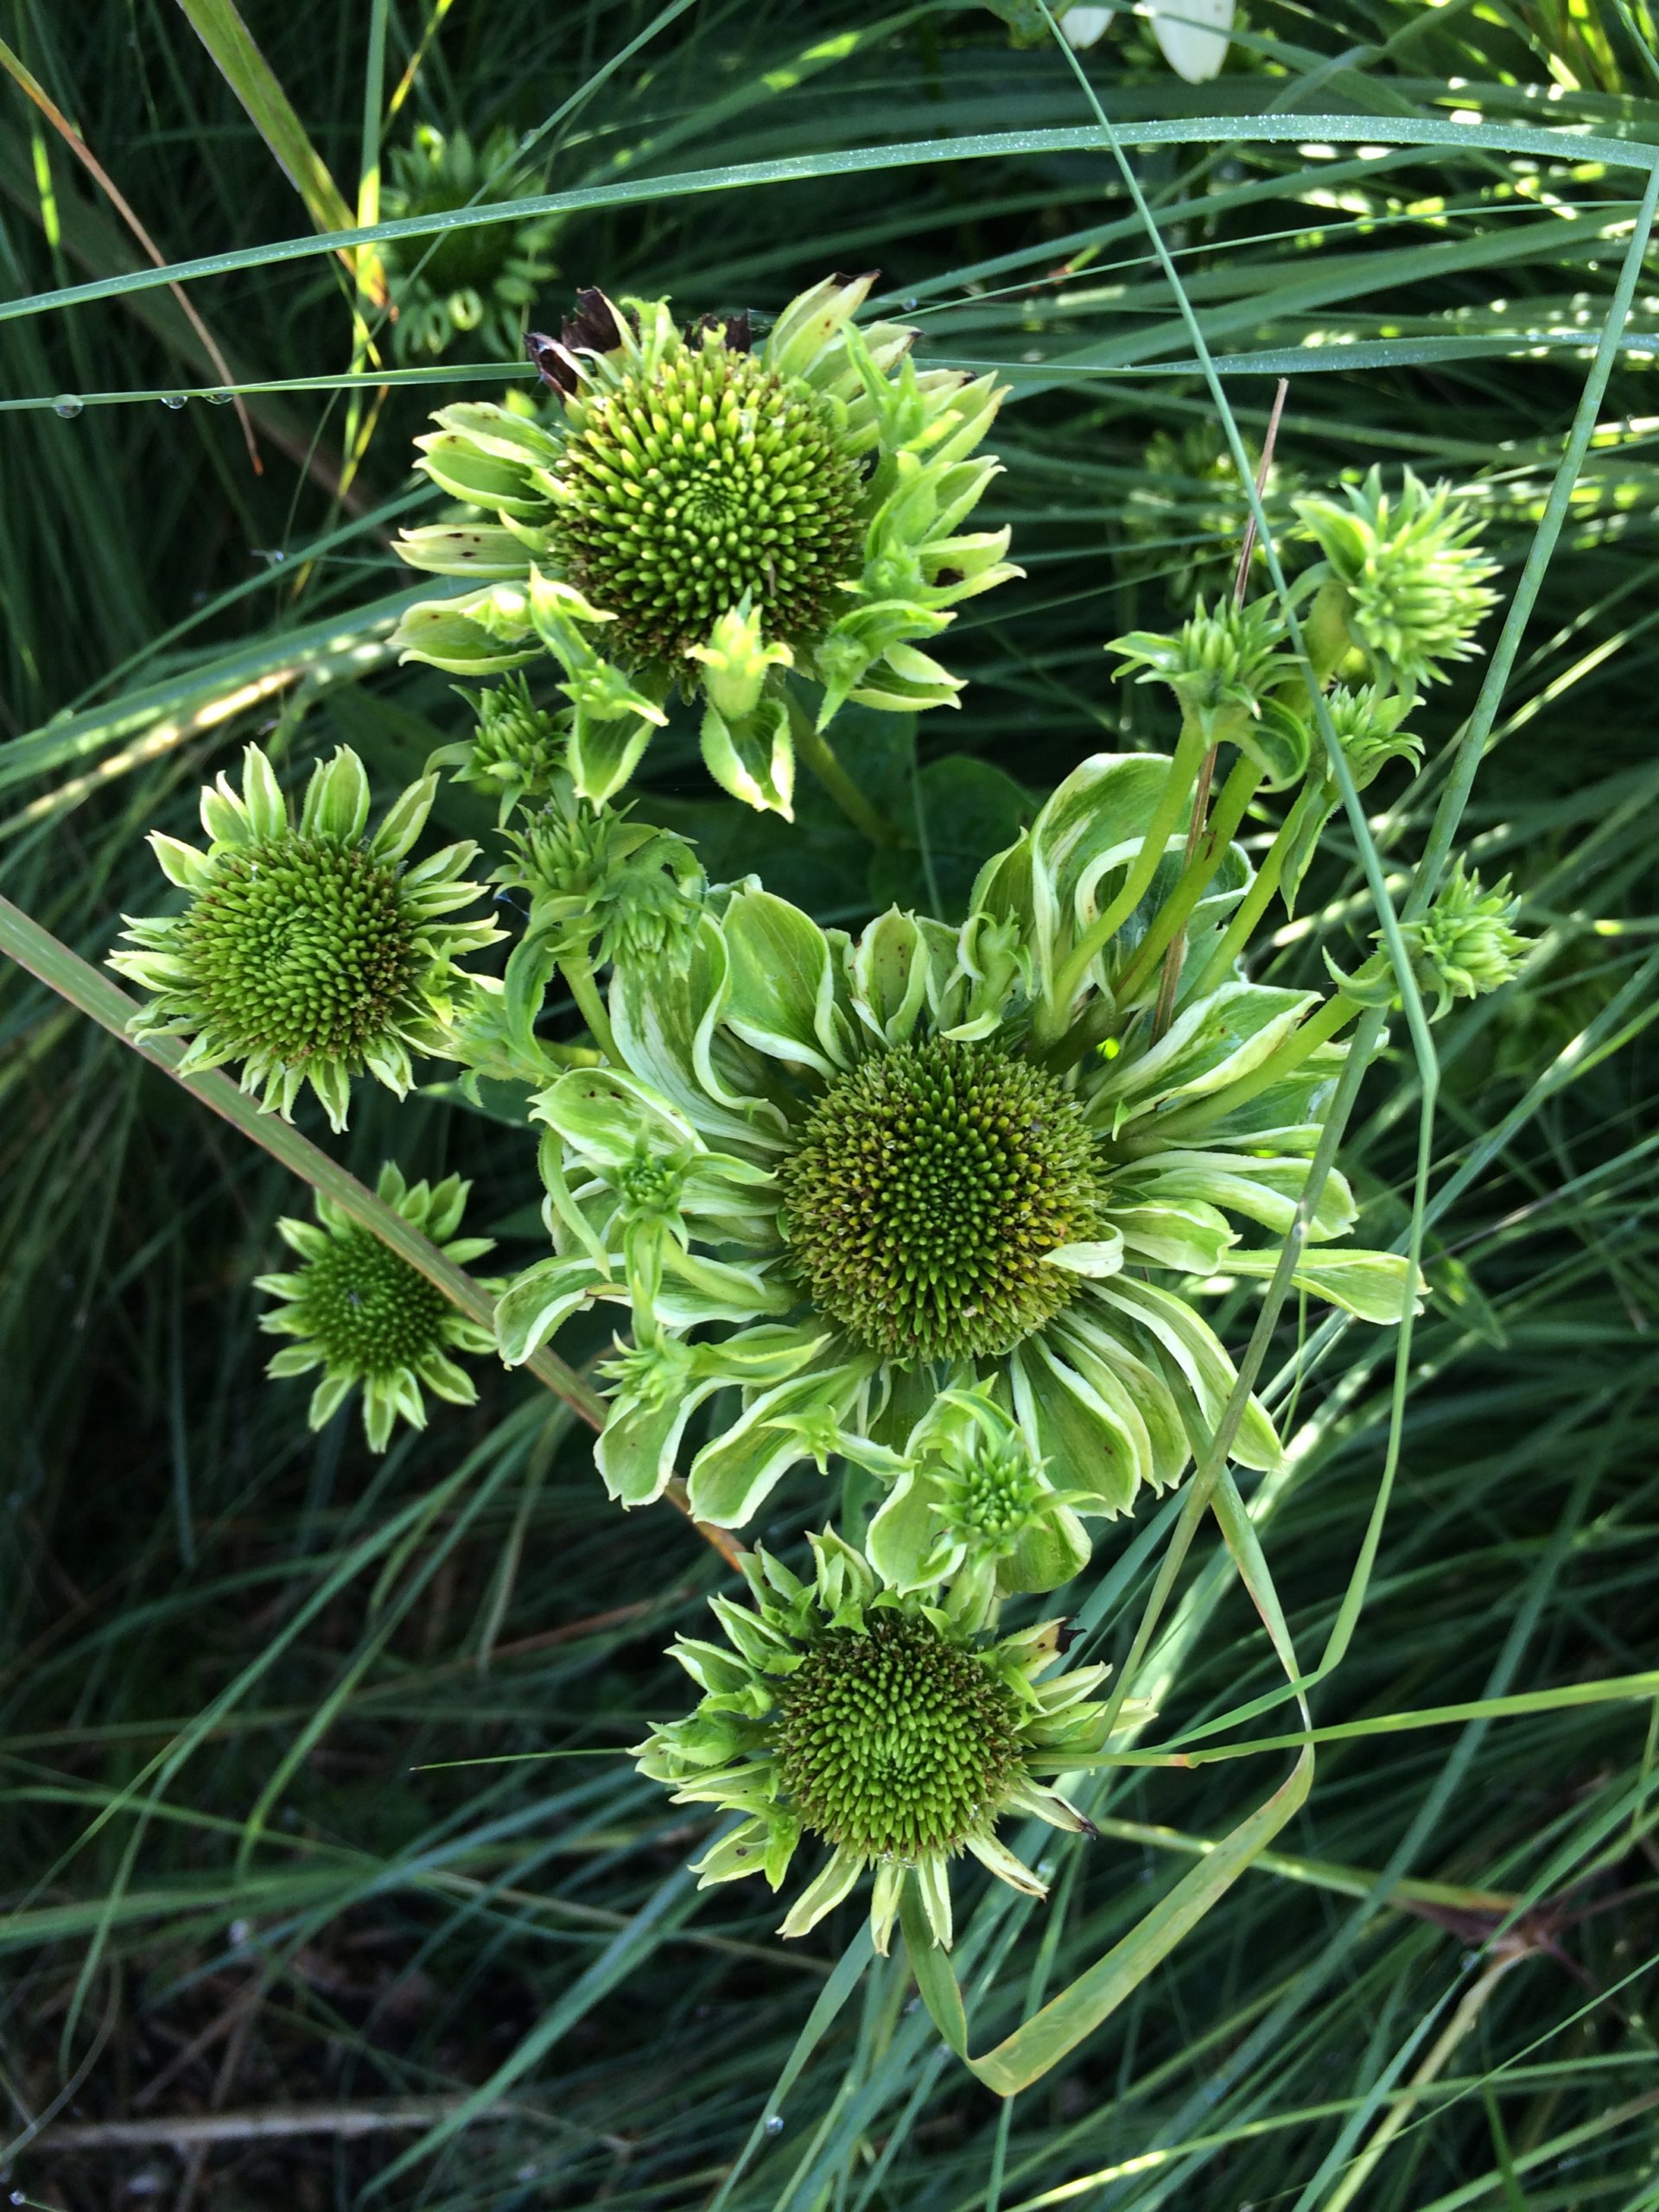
<point x="367" y="1317"/>
<point x="854" y="1150"/>
<point x="1401" y="583"/>
<point x="478" y="281"/>
<point x="707" y="511"/>
<point x="309" y="952"/>
<point x="877" y="1725"/>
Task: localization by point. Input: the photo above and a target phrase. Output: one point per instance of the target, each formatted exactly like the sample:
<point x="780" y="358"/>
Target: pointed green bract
<point x="307" y="953"/>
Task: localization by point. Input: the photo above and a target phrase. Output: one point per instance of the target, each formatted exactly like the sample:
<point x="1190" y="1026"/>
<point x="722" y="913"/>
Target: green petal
<point x="1081" y="1431"/>
<point x="293" y="1359"/>
<point x="262" y="796"/>
<point x="337" y="799"/>
<point x="1190" y="1238"/>
<point x="636" y="1450"/>
<point x="1196" y="1351"/>
<point x="533" y="1306"/>
<point x="1047" y="1555"/>
<point x="608" y="1116"/>
<point x="783" y="988"/>
<point x="732" y="1475"/>
<point x="181" y="863"/>
<point x="838" y="1878"/>
<point x="752" y="758"/>
<point x="328" y="1397"/>
<point x="404" y="820"/>
<point x="1373" y="1286"/>
<point x="905" y="1532"/>
<point x="1227" y="1035"/>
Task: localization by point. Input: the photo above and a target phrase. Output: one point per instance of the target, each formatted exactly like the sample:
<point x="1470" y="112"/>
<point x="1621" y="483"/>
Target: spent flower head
<point x="478" y="281"/>
<point x="851" y="1150"/>
<point x="706" y="510"/>
<point x="874" y="1724"/>
<point x="367" y="1317"/>
<point x="307" y="951"/>
<point x="1402" y="582"/>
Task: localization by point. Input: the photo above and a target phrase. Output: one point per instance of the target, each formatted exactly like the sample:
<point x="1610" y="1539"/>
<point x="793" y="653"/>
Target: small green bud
<point x="479" y="279"/>
<point x="1402" y="582"/>
<point x="1222" y="666"/>
<point x="1464" y="947"/>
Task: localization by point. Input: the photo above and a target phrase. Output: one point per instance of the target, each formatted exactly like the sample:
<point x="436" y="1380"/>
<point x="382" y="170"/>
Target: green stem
<point x="1177" y="787"/>
<point x="1332" y="1016"/>
<point x="1236" y="793"/>
<point x="578" y="972"/>
<point x="1258" y="898"/>
<point x="815" y="749"/>
<point x="73" y="978"/>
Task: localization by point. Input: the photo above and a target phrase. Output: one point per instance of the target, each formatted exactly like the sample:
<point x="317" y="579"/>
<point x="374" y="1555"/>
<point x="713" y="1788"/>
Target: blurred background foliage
<point x="261" y="1946"/>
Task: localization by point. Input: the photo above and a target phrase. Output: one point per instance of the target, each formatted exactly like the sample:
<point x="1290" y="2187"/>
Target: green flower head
<point x="478" y="281"/>
<point x="1225" y="667"/>
<point x="1463" y="946"/>
<point x="309" y="953"/>
<point x="1401" y="584"/>
<point x="851" y="1156"/>
<point x="878" y="1725"/>
<point x="514" y="753"/>
<point x="600" y="883"/>
<point x="707" y="512"/>
<point x="366" y="1318"/>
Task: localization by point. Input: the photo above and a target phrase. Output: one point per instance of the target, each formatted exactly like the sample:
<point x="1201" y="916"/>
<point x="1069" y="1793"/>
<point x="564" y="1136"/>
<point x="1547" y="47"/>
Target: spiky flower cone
<point x="370" y="1320"/>
<point x="871" y="1722"/>
<point x="705" y="513"/>
<point x="309" y="952"/>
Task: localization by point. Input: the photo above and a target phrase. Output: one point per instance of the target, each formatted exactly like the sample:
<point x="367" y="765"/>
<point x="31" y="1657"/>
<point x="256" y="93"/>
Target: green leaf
<point x="783" y="985"/>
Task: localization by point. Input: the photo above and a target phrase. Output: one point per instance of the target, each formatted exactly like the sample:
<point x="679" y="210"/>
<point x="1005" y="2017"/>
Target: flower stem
<point x="816" y="750"/>
<point x="1052" y="1014"/>
<point x="1257" y="898"/>
<point x="1236" y="793"/>
<point x="578" y="972"/>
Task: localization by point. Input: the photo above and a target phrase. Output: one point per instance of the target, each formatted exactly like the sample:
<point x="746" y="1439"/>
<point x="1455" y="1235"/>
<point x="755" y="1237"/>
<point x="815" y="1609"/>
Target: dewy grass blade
<point x="1194" y="130"/>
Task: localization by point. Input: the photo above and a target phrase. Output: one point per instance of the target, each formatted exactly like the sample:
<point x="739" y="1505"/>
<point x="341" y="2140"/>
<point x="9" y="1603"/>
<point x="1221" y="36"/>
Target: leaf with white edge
<point x="783" y="983"/>
<point x="531" y="1308"/>
<point x="610" y="1116"/>
<point x="1372" y="1285"/>
<point x="1196" y="1351"/>
<point x="1092" y="1441"/>
<point x="1229" y="1034"/>
<point x="891" y="964"/>
<point x="337" y="799"/>
<point x="732" y="1476"/>
<point x="1091" y="1339"/>
<point x="1265" y="1190"/>
<point x="1190" y="1238"/>
<point x="752" y="758"/>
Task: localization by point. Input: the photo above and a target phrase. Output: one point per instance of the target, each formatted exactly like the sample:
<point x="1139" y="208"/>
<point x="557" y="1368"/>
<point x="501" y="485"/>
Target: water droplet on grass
<point x="775" y="2123"/>
<point x="67" y="405"/>
<point x="173" y="399"/>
